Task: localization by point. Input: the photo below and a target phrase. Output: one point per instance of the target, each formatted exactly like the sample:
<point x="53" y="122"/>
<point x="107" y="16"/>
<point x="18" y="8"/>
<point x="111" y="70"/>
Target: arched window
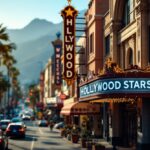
<point x="128" y="12"/>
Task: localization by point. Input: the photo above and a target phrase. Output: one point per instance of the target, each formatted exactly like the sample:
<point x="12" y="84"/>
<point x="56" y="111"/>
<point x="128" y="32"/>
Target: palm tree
<point x="6" y="57"/>
<point x="4" y="85"/>
<point x="5" y="47"/>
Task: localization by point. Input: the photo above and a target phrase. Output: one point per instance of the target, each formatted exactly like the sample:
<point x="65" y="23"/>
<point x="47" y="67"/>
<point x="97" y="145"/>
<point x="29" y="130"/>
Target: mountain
<point x="34" y="46"/>
<point x="35" y="29"/>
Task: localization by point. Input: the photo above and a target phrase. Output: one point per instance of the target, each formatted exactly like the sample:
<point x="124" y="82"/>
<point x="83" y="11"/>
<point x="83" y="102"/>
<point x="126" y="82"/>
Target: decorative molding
<point x="110" y="67"/>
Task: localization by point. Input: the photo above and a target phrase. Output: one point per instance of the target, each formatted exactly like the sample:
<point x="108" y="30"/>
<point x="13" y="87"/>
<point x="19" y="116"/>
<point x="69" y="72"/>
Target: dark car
<point x="43" y="123"/>
<point x="15" y="130"/>
<point x="4" y="123"/>
<point x="3" y="141"/>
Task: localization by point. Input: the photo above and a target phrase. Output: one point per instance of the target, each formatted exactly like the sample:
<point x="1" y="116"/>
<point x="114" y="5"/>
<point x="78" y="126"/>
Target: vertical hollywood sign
<point x="69" y="15"/>
<point x="58" y="64"/>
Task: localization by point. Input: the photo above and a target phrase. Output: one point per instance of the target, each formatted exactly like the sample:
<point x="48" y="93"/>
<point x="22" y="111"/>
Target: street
<point x="40" y="138"/>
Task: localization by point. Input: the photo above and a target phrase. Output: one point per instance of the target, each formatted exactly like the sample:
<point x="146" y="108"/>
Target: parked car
<point x="4" y="123"/>
<point x="16" y="119"/>
<point x="43" y="123"/>
<point x="59" y="125"/>
<point x="26" y="117"/>
<point x="15" y="130"/>
<point x="3" y="141"/>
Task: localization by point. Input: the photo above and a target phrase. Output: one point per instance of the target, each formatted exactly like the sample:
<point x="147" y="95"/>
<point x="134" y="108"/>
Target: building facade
<point x="124" y="59"/>
<point x="127" y="33"/>
<point x="94" y="34"/>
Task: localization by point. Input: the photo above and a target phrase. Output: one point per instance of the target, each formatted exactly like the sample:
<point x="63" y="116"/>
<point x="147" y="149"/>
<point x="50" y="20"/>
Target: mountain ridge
<point x="33" y="46"/>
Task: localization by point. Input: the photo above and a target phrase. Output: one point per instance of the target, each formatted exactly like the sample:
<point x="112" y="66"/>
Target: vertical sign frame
<point x="69" y="15"/>
<point x="58" y="51"/>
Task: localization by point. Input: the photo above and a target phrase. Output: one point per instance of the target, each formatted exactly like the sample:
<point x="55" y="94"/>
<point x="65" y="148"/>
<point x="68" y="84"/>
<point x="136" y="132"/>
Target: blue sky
<point x="18" y="13"/>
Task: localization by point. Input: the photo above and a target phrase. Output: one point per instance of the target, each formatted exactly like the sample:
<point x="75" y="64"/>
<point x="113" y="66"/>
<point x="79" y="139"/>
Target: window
<point x="107" y="45"/>
<point x="128" y="12"/>
<point x="87" y="46"/>
<point x="130" y="56"/>
<point x="91" y="43"/>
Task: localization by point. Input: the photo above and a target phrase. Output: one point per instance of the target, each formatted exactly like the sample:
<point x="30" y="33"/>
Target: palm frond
<point x="4" y="36"/>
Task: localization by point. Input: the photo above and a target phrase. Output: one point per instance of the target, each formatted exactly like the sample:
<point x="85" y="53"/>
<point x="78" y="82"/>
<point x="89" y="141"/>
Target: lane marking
<point x="41" y="131"/>
<point x="33" y="139"/>
<point x="32" y="144"/>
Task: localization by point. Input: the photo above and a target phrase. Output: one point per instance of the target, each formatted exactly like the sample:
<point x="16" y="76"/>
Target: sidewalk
<point x="78" y="146"/>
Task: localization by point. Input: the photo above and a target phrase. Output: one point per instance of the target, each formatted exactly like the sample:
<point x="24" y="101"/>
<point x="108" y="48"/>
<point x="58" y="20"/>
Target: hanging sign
<point x="69" y="14"/>
<point x="58" y="49"/>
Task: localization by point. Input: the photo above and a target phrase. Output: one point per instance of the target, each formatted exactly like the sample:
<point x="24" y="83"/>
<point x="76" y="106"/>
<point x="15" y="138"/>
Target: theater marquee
<point x="69" y="15"/>
<point x="118" y="87"/>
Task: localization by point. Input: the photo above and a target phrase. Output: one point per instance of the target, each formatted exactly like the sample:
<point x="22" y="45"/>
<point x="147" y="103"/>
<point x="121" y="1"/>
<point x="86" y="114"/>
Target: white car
<point x="59" y="125"/>
<point x="26" y="117"/>
<point x="4" y="123"/>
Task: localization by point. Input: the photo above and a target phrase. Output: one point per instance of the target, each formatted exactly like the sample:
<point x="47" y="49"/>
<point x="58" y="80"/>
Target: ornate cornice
<point x="110" y="67"/>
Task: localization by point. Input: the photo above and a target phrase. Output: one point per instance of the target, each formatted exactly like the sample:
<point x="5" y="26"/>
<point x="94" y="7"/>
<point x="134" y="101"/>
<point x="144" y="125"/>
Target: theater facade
<point x="122" y="85"/>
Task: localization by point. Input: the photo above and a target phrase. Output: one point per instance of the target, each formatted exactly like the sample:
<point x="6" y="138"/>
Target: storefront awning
<point x="78" y="108"/>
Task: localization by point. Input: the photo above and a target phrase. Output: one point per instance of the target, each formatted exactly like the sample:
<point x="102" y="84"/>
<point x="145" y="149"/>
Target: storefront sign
<point x="69" y="15"/>
<point x="116" y="86"/>
<point x="58" y="50"/>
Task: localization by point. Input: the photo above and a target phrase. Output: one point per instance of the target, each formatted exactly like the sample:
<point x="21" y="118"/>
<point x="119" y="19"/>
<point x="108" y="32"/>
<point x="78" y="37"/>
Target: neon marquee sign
<point x="116" y="86"/>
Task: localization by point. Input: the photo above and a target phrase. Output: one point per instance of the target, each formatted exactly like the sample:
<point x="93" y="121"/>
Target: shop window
<point x="128" y="12"/>
<point x="76" y="120"/>
<point x="107" y="45"/>
<point x="92" y="43"/>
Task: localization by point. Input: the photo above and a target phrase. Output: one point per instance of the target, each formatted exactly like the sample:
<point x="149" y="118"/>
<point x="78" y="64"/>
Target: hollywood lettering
<point x="69" y="54"/>
<point x="120" y="85"/>
<point x="69" y="14"/>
